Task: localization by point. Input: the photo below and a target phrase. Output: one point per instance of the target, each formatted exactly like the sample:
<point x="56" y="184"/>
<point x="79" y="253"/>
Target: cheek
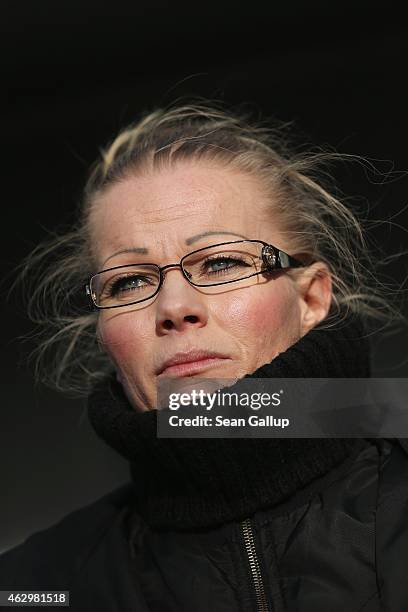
<point x="121" y="337"/>
<point x="264" y="309"/>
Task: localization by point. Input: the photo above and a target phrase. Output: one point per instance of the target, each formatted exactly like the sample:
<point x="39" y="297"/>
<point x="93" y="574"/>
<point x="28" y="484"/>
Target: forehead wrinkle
<point x="168" y="216"/>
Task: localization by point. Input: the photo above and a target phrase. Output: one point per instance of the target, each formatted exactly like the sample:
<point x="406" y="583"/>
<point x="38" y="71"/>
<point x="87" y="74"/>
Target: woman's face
<point x="171" y="212"/>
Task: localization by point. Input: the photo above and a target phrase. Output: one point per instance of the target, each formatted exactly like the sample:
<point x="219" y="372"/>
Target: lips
<point x="187" y="363"/>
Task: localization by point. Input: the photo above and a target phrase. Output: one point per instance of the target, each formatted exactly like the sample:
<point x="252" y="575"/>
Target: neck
<point x="183" y="483"/>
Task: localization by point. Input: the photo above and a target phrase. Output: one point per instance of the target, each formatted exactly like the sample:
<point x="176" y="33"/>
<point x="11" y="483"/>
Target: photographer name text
<point x="252" y="420"/>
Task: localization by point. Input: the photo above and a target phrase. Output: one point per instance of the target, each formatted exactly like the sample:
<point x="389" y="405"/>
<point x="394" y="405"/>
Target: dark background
<point x="75" y="72"/>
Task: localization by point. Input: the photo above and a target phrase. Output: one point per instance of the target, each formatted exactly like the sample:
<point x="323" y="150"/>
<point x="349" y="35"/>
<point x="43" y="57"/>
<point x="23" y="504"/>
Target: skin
<point x="251" y="323"/>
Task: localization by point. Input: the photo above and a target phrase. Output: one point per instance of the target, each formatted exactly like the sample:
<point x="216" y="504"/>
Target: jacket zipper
<point x="248" y="535"/>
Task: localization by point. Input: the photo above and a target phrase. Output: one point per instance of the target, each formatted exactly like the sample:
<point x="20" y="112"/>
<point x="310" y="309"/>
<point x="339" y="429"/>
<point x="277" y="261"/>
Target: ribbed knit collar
<point x="183" y="483"/>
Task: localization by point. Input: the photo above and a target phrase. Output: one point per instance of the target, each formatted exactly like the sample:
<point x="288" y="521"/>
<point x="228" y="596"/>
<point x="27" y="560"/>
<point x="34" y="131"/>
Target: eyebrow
<point x="204" y="234"/>
<point x="191" y="240"/>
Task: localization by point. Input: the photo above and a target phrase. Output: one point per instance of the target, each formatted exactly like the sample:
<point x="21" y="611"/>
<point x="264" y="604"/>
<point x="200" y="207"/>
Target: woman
<point x="209" y="252"/>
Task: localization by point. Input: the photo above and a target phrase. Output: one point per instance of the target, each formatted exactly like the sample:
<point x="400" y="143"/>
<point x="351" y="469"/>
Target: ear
<point x="315" y="294"/>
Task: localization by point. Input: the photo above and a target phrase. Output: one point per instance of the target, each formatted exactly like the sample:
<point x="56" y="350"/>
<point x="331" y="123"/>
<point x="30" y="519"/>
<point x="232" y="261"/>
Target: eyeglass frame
<point x="273" y="258"/>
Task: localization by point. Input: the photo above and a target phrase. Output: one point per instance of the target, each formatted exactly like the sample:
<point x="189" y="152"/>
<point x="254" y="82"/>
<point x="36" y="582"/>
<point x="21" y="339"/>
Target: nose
<point x="179" y="306"/>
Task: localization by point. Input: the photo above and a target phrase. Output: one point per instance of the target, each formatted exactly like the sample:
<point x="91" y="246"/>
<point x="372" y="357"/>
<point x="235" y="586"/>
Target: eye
<point x="129" y="283"/>
<point x="222" y="264"/>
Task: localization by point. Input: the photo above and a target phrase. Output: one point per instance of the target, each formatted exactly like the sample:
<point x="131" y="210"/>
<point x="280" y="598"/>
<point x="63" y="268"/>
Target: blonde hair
<point x="318" y="225"/>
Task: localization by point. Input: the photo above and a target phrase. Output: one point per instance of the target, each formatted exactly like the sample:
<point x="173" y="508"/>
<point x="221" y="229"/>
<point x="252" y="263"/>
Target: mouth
<point x="190" y="368"/>
<point x="188" y="364"/>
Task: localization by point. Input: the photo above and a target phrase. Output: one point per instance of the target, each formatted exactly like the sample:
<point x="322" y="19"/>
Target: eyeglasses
<point x="218" y="264"/>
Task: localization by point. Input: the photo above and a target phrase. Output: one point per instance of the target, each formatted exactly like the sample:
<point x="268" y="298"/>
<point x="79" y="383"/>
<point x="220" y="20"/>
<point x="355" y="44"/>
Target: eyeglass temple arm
<point x="276" y="259"/>
<point x="91" y="303"/>
<point x="287" y="261"/>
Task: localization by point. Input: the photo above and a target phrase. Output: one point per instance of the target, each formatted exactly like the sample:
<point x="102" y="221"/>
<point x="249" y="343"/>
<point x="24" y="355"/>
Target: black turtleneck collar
<point x="183" y="483"/>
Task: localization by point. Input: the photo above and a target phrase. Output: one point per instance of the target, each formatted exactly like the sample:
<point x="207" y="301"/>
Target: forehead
<point x="162" y="210"/>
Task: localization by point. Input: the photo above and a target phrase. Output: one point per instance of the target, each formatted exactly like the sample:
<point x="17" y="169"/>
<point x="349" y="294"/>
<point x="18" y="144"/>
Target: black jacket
<point x="234" y="525"/>
<point x="339" y="545"/>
